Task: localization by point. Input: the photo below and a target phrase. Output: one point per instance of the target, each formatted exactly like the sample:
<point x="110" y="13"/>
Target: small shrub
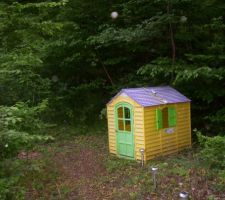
<point x="22" y="117"/>
<point x="10" y="173"/>
<point x="13" y="141"/>
<point x="213" y="151"/>
<point x="20" y="128"/>
<point x="9" y="189"/>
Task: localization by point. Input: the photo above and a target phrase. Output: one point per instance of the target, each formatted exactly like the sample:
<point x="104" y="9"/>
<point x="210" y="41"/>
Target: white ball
<point x="55" y="78"/>
<point x="183" y="19"/>
<point x="114" y="15"/>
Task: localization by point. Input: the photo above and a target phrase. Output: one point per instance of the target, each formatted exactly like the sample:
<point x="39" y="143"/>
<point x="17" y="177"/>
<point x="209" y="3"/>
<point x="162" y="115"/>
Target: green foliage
<point x="9" y="189"/>
<point x="169" y="46"/>
<point x="15" y="176"/>
<point x="74" y="54"/>
<point x="22" y="117"/>
<point x="26" y="34"/>
<point x="20" y="128"/>
<point x="10" y="172"/>
<point x="212" y="152"/>
<point x="13" y="141"/>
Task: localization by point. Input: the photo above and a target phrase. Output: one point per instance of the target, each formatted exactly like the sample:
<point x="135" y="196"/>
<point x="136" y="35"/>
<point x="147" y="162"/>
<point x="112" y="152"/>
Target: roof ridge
<point x="147" y="87"/>
<point x="156" y="97"/>
<point x="151" y="96"/>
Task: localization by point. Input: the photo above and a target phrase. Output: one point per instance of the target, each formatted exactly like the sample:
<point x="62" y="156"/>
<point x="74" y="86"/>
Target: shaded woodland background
<point x="73" y="54"/>
<point x="61" y="61"/>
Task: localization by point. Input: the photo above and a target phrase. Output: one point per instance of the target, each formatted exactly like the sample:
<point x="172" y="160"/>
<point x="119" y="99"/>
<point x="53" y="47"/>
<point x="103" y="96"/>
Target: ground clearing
<point x="80" y="168"/>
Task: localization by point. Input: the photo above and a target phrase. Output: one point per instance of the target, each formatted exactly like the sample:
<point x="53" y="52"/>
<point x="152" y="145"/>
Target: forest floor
<point x="80" y="167"/>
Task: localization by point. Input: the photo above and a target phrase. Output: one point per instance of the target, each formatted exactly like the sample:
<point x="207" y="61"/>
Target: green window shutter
<point x="172" y="116"/>
<point x="158" y="119"/>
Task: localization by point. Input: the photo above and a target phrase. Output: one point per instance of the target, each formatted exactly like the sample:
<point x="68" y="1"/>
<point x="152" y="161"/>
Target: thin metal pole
<point x="154" y="172"/>
<point x="142" y="156"/>
<point x="154" y="181"/>
<point x="142" y="160"/>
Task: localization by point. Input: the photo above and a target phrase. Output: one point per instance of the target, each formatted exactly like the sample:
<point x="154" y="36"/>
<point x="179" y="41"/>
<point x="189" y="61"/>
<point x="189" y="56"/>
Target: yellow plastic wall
<point x="138" y="125"/>
<point x="157" y="142"/>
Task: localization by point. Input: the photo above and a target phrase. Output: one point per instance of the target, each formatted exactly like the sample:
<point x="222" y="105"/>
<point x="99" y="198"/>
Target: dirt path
<point x="81" y="165"/>
<point x="81" y="169"/>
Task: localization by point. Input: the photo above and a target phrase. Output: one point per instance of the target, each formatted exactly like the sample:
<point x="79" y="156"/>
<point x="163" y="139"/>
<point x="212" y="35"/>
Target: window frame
<point x="171" y="117"/>
<point x="124" y="118"/>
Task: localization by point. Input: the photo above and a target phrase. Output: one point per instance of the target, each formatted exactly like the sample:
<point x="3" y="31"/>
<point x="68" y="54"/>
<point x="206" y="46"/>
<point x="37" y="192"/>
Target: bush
<point x="212" y="153"/>
<point x="13" y="141"/>
<point x="22" y="117"/>
<point x="9" y="188"/>
<point x="20" y="128"/>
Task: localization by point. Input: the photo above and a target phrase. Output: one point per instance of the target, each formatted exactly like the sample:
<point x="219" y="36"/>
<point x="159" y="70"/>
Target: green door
<point x="124" y="130"/>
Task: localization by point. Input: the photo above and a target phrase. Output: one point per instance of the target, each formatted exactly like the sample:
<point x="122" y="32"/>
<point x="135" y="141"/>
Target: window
<point x="124" y="119"/>
<point x="165" y="117"/>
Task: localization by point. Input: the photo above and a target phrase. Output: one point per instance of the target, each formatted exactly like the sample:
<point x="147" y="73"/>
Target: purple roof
<point x="152" y="96"/>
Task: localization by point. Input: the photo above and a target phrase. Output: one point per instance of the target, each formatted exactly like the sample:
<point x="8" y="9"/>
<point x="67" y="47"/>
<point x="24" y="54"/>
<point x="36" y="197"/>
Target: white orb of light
<point x="55" y="78"/>
<point x="183" y="19"/>
<point x="114" y="14"/>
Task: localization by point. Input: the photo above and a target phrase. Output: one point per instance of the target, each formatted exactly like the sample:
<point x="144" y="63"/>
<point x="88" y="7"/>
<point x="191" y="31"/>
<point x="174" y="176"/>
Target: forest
<point x="61" y="61"/>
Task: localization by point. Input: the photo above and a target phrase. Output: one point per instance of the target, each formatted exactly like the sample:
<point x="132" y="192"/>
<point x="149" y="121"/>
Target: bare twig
<point x="106" y="71"/>
<point x="173" y="45"/>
